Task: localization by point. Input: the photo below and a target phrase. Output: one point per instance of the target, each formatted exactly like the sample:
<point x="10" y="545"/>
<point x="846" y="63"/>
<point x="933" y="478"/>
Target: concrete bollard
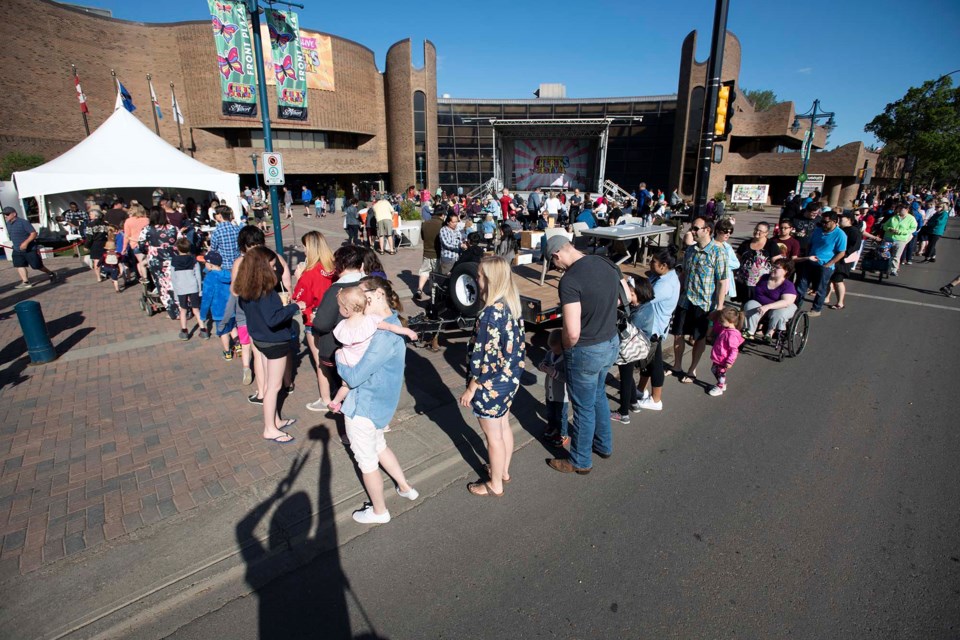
<point x="35" y="332"/>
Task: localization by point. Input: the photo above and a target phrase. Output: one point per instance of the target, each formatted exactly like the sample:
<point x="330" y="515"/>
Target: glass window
<point x="567" y="110"/>
<point x="420" y="136"/>
<point x="464" y="109"/>
<point x="467" y="152"/>
<point x="646" y="107"/>
<point x="446" y="154"/>
<point x="419" y="120"/>
<point x="444" y="132"/>
<point x="490" y="110"/>
<point x="591" y="110"/>
<point x="541" y="111"/>
<point x="514" y="111"/>
<point x="419" y="101"/>
<point x="618" y="108"/>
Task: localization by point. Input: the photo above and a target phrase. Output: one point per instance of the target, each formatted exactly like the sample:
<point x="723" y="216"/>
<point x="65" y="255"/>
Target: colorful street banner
<point x="235" y="60"/>
<point x="317" y="50"/>
<point x="288" y="67"/>
<point x="750" y="193"/>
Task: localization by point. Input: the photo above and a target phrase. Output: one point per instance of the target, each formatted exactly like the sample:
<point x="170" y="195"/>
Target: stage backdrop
<point x="551" y="163"/>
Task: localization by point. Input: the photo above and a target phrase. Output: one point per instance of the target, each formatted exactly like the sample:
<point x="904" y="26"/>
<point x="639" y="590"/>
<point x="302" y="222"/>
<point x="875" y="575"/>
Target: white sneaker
<point x="648" y="404"/>
<point x="716" y="391"/>
<point x="317" y="405"/>
<point x="367" y="516"/>
<point x="412" y="494"/>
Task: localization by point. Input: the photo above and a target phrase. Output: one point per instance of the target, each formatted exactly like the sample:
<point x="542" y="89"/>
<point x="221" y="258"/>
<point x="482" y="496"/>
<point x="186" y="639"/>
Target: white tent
<point x="124" y="153"/>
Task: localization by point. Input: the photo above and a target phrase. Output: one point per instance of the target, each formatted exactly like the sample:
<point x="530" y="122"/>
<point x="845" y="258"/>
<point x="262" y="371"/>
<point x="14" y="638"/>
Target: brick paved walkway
<point x="98" y="445"/>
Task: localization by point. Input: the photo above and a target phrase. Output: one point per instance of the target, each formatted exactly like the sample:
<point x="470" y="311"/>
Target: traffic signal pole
<point x="712" y="88"/>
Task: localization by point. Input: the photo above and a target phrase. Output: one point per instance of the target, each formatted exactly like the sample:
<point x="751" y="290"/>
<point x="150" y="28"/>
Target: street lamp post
<point x="813" y="115"/>
<point x="256" y="176"/>
<point x="420" y="163"/>
<point x="913" y="129"/>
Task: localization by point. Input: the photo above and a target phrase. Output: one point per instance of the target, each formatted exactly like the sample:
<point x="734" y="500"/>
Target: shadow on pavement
<point x="16" y="351"/>
<point x="313" y="601"/>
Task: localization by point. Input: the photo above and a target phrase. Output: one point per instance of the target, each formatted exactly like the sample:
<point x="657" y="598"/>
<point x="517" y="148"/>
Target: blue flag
<point x="125" y="98"/>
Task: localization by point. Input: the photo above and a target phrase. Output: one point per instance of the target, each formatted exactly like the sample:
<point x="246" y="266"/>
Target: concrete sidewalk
<point x="127" y="464"/>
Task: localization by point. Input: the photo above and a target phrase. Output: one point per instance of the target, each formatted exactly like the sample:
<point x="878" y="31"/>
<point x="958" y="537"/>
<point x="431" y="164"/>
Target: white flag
<point x="177" y="116"/>
<point x="153" y="99"/>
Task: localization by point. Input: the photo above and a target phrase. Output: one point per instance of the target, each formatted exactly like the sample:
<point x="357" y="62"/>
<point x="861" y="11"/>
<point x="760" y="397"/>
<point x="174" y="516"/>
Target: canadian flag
<point x="82" y="98"/>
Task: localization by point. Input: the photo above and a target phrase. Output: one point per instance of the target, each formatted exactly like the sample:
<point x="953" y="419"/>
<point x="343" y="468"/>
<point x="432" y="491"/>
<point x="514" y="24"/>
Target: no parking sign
<point x="272" y="169"/>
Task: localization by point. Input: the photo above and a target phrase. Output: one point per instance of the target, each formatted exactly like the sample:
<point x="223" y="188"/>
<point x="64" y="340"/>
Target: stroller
<point x="876" y="257"/>
<point x="150" y="298"/>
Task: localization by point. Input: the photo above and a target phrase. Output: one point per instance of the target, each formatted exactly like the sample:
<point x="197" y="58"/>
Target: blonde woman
<point x="495" y="363"/>
<point x="314" y="277"/>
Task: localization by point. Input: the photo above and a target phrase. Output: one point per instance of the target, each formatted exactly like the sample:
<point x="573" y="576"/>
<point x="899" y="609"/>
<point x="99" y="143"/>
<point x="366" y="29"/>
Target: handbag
<point x="634" y="344"/>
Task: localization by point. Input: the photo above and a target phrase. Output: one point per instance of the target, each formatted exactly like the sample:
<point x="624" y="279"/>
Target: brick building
<point x="384" y="126"/>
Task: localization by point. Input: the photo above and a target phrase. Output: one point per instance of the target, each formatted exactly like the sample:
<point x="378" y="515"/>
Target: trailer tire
<point x="464" y="289"/>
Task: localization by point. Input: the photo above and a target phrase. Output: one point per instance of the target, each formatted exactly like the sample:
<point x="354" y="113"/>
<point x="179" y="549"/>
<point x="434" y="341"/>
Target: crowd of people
<point x="706" y="292"/>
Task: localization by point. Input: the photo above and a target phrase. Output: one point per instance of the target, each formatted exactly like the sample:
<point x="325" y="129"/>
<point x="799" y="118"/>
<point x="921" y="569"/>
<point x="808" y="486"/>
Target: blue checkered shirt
<point x="223" y="240"/>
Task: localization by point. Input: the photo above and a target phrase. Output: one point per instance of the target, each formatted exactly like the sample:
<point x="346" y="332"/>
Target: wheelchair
<point x="787" y="343"/>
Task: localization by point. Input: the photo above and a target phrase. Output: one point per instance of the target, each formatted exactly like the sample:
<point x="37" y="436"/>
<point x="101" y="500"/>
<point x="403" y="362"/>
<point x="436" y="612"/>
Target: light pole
<point x="813" y="115"/>
<point x="256" y="176"/>
<point x="913" y="129"/>
<point x="711" y="90"/>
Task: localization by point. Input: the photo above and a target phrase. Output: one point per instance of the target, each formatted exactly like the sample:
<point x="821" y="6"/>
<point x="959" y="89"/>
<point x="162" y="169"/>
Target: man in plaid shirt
<point x="704" y="287"/>
<point x="223" y="240"/>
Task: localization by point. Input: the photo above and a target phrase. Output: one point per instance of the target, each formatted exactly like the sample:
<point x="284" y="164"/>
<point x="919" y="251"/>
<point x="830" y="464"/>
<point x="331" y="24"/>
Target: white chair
<point x="549" y="233"/>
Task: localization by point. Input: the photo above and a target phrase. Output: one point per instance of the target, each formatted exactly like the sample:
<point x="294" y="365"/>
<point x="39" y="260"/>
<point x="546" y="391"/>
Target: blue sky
<point x="854" y="55"/>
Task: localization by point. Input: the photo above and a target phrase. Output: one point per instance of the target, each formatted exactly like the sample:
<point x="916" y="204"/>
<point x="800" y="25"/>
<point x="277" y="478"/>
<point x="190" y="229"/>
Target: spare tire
<point x="464" y="289"/>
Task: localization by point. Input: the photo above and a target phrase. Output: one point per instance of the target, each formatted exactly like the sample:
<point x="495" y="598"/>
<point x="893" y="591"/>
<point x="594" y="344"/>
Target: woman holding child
<point x="496" y="360"/>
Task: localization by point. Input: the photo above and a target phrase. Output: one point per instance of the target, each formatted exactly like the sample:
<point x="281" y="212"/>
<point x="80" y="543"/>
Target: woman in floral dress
<point x="496" y="360"/>
<point x="157" y="242"/>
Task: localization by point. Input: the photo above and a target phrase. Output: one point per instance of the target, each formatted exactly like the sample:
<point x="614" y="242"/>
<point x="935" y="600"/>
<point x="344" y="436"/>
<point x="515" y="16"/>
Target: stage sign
<point x="748" y="193"/>
<point x="235" y="60"/>
<point x="317" y="50"/>
<point x="289" y="70"/>
<point x="551" y="163"/>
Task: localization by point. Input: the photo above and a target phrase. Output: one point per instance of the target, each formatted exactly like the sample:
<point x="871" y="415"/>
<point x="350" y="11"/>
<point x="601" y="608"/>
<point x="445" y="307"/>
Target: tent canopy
<point x="123" y="152"/>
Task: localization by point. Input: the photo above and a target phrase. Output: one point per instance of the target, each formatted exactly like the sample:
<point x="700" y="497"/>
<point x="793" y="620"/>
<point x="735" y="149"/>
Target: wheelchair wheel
<point x="797" y="331"/>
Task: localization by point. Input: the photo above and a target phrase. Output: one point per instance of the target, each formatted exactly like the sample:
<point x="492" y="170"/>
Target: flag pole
<point x="83" y="103"/>
<point x="156" y="123"/>
<point x="176" y="115"/>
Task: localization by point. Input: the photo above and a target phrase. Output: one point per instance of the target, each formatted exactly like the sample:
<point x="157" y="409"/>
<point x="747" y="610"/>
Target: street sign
<point x="802" y="177"/>
<point x="273" y="169"/>
<point x="813" y="182"/>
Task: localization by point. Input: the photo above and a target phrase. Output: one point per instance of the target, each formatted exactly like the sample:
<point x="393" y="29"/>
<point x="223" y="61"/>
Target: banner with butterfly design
<point x="235" y="58"/>
<point x="288" y="67"/>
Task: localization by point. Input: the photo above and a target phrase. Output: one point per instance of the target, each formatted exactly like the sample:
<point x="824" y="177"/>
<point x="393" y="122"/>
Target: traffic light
<point x="725" y="110"/>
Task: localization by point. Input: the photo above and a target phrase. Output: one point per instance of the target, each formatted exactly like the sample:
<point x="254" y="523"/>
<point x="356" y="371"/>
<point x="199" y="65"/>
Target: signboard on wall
<point x="317" y="49"/>
<point x="814" y="182"/>
<point x="748" y="193"/>
<point x="551" y="163"/>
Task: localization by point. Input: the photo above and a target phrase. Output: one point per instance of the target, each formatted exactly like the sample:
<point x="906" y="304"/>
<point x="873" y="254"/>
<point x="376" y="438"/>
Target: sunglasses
<point x="695" y="229"/>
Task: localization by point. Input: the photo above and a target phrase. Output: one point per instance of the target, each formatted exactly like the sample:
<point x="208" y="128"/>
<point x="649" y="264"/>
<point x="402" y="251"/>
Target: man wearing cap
<point x="26" y="251"/>
<point x="828" y="246"/>
<point x="589" y="291"/>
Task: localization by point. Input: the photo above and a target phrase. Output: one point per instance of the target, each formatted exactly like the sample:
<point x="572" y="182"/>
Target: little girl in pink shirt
<point x="726" y="346"/>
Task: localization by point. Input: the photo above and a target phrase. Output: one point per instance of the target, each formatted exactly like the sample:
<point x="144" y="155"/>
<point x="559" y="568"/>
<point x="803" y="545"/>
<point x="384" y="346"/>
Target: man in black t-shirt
<point x="588" y="299"/>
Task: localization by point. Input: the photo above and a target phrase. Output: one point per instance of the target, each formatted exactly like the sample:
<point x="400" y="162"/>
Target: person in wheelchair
<point x="775" y="298"/>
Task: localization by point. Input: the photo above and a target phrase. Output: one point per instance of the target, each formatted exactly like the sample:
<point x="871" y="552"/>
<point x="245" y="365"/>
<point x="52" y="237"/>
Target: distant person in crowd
<point x="372" y="265"/>
<point x="187" y="284"/>
<point x="451" y="243"/>
<point x="426" y="211"/>
<point x="643" y="199"/>
<point x="132" y="227"/>
<point x="639" y="292"/>
<point x="352" y="222"/>
<point x="553" y="366"/>
<point x="828" y="245"/>
<point x="506" y="204"/>
<point x="116" y="215"/>
<point x="223" y="240"/>
<point x="287" y="203"/>
<point x="26" y="250"/>
<point x="774" y="297"/>
<point x="157" y="242"/>
<point x="214" y="299"/>
<point x="269" y="322"/>
<point x="727" y="339"/>
<point x="375" y="384"/>
<point x="174" y="216"/>
<point x="589" y="292"/>
<point x="675" y="200"/>
<point x="95" y="238"/>
<point x="788" y="245"/>
<point x="933" y="230"/>
<point x="723" y="229"/>
<point x="755" y="256"/>
<point x="474" y="249"/>
<point x="804" y="226"/>
<point x="534" y="202"/>
<point x="306" y="197"/>
<point x="383" y="213"/>
<point x="430" y="239"/>
<point x="314" y="277"/>
<point x="495" y="363"/>
<point x="552" y="206"/>
<point x="586" y="216"/>
<point x="704" y="290"/>
<point x="848" y="223"/>
<point x="507" y="246"/>
<point x="653" y="318"/>
<point x="74" y="219"/>
<point x="575" y="204"/>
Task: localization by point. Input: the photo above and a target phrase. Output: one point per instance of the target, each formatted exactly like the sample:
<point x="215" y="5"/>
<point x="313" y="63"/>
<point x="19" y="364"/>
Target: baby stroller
<point x="876" y="257"/>
<point x="150" y="298"/>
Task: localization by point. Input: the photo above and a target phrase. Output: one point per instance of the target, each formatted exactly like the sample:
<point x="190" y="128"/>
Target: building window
<point x="420" y="137"/>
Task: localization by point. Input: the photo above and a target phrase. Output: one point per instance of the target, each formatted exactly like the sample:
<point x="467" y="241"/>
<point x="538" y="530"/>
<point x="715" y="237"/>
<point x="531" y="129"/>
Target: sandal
<point x="279" y="439"/>
<point x="838" y="307"/>
<point x="488" y="492"/>
<point x="287" y="424"/>
<point x="489" y="475"/>
<point x="686" y="378"/>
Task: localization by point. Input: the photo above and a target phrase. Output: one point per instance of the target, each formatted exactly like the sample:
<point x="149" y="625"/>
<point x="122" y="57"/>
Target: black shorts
<point x="258" y="214"/>
<point x="273" y="350"/>
<point x="27" y="258"/>
<point x="841" y="271"/>
<point x="189" y="301"/>
<point x="692" y="321"/>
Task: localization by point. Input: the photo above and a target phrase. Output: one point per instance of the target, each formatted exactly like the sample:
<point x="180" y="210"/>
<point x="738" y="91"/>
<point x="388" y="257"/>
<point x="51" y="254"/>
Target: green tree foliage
<point x="923" y="125"/>
<point x="761" y="99"/>
<point x="16" y="161"/>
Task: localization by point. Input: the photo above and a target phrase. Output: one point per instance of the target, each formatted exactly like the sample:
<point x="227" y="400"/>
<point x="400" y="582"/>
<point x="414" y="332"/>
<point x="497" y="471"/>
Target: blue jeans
<point x="586" y="385"/>
<point x="816" y="273"/>
<point x="557" y="417"/>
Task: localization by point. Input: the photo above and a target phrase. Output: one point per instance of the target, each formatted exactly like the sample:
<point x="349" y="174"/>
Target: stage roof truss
<point x="551" y="127"/>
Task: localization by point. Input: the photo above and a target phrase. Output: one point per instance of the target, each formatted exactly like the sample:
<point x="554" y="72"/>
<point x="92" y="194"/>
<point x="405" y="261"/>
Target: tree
<point x="923" y="128"/>
<point x="16" y="161"/>
<point x="761" y="99"/>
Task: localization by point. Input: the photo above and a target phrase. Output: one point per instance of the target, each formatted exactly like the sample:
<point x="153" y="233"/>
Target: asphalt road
<point x="818" y="498"/>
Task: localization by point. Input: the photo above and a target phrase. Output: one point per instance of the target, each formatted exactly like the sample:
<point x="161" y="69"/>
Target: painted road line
<point x="919" y="304"/>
